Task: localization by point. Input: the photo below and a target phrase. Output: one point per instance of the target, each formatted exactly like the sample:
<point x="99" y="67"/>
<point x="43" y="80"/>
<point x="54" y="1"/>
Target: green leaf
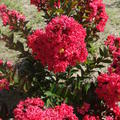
<point x="106" y="61"/>
<point x="87" y="87"/>
<point x="99" y="66"/>
<point x="50" y="94"/>
<point x="106" y="53"/>
<point x="49" y="103"/>
<point x="19" y="46"/>
<point x="73" y="71"/>
<point x="59" y="11"/>
<point x="101" y="52"/>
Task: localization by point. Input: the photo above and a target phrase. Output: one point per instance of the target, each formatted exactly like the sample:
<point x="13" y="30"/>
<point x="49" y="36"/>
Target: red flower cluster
<point x="29" y="109"/>
<point x="61" y="44"/>
<point x="5" y="69"/>
<point x="109" y="88"/>
<point x="115" y="66"/>
<point x="114" y="47"/>
<point x="98" y="14"/>
<point x="8" y="64"/>
<point x="57" y="4"/>
<point x="32" y="109"/>
<point x="4" y="84"/>
<point x="39" y="3"/>
<point x="90" y="117"/>
<point x="82" y="110"/>
<point x="3" y="15"/>
<point x="44" y="4"/>
<point x="109" y="118"/>
<point x="11" y="17"/>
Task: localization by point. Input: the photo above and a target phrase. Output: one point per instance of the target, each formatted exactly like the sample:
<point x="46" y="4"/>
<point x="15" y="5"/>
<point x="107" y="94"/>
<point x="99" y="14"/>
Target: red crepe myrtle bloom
<point x="32" y="109"/>
<point x="109" y="88"/>
<point x="98" y="14"/>
<point x="62" y="44"/>
<point x="82" y="110"/>
<point x="4" y="84"/>
<point x="90" y="117"/>
<point x="113" y="44"/>
<point x="11" y="17"/>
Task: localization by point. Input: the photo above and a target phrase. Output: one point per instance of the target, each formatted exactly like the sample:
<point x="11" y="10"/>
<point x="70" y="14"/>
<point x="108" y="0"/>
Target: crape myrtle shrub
<point x="61" y="65"/>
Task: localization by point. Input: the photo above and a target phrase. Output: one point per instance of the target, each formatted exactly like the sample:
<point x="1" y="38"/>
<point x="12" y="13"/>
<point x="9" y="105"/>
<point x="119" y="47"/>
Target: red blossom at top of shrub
<point x="57" y="4"/>
<point x="3" y="15"/>
<point x="44" y="4"/>
<point x="11" y="17"/>
<point x="3" y="8"/>
<point x="98" y="14"/>
<point x="96" y="10"/>
<point x="17" y="15"/>
<point x="32" y="109"/>
<point x="62" y="44"/>
<point x="39" y="3"/>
